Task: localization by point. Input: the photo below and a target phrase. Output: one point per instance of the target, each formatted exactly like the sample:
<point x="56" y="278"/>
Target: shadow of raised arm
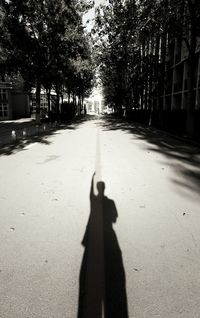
<point x="92" y="187"/>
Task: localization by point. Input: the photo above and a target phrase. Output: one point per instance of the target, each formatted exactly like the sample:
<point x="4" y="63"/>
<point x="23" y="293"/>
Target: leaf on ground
<point x="137" y="270"/>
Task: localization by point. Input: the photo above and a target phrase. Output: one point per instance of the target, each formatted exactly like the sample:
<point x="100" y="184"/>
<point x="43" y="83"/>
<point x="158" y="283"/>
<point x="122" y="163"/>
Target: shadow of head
<point x="101" y="188"/>
<point x="109" y="210"/>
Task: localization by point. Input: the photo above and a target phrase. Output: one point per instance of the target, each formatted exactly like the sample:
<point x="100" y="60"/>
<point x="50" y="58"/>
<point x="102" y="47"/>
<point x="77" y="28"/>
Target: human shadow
<point x="102" y="284"/>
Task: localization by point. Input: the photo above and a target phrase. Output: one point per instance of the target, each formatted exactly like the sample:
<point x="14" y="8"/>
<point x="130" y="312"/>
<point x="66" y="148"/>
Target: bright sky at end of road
<point x="96" y="93"/>
<point x="91" y="14"/>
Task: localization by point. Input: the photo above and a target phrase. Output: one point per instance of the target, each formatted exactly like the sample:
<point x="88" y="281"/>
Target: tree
<point x="188" y="30"/>
<point x="118" y="54"/>
<point x="41" y="39"/>
<point x="132" y="51"/>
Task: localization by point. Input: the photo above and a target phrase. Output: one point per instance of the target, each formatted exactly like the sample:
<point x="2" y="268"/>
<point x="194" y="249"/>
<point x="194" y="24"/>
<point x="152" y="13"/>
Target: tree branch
<point x="187" y="43"/>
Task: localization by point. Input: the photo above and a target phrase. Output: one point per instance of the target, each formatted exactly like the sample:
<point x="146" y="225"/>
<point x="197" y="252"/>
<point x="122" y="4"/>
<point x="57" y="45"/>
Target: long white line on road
<point x="94" y="300"/>
<point x="98" y="175"/>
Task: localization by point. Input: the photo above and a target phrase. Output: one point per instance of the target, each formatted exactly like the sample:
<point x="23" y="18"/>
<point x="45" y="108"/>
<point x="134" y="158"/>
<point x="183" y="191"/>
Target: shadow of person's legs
<point x="91" y="284"/>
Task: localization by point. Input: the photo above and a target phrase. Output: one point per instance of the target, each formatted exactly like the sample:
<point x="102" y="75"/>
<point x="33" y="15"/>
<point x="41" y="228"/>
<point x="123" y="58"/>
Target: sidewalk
<point x="184" y="138"/>
<point x="15" y="130"/>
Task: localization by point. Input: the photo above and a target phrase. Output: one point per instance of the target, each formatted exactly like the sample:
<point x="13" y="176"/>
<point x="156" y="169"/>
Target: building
<point x="166" y="99"/>
<point x="170" y="108"/>
<point x="95" y="104"/>
<point x="43" y="102"/>
<point x="14" y="102"/>
<point x="177" y="75"/>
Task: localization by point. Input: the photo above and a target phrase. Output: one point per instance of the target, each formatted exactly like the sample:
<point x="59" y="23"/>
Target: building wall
<point x="5" y="107"/>
<point x="176" y="80"/>
<point x="20" y="105"/>
<point x="14" y="103"/>
<point x="43" y="102"/>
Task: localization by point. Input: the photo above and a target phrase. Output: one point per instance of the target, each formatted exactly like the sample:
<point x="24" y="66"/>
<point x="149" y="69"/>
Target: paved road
<point x="152" y="250"/>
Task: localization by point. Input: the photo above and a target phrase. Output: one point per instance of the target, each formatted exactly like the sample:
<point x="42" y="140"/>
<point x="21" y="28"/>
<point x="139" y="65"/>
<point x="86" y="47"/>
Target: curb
<point x="24" y="133"/>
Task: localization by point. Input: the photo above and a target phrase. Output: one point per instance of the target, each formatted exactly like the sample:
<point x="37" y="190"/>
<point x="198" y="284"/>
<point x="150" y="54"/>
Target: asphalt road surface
<point x="137" y="256"/>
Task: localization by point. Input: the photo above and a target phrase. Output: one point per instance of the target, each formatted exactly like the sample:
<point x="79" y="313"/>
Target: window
<point x="3" y="94"/>
<point x="43" y="103"/>
<point x="33" y="106"/>
<point x="4" y="110"/>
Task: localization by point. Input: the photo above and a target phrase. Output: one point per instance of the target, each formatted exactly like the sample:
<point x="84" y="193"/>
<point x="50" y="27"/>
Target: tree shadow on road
<point x="20" y="145"/>
<point x="33" y="133"/>
<point x="102" y="285"/>
<point x="183" y="157"/>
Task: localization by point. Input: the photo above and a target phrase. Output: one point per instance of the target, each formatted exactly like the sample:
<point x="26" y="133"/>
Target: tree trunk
<point x="191" y="98"/>
<point x="57" y="104"/>
<point x="190" y="125"/>
<point x="69" y="95"/>
<point x="79" y="105"/>
<point x="62" y="100"/>
<point x="161" y="88"/>
<point x="49" y="101"/>
<point x="151" y="78"/>
<point x="142" y="77"/>
<point x="3" y="77"/>
<point x="156" y="75"/>
<point x="74" y="104"/>
<point x="82" y="102"/>
<point x="38" y="90"/>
